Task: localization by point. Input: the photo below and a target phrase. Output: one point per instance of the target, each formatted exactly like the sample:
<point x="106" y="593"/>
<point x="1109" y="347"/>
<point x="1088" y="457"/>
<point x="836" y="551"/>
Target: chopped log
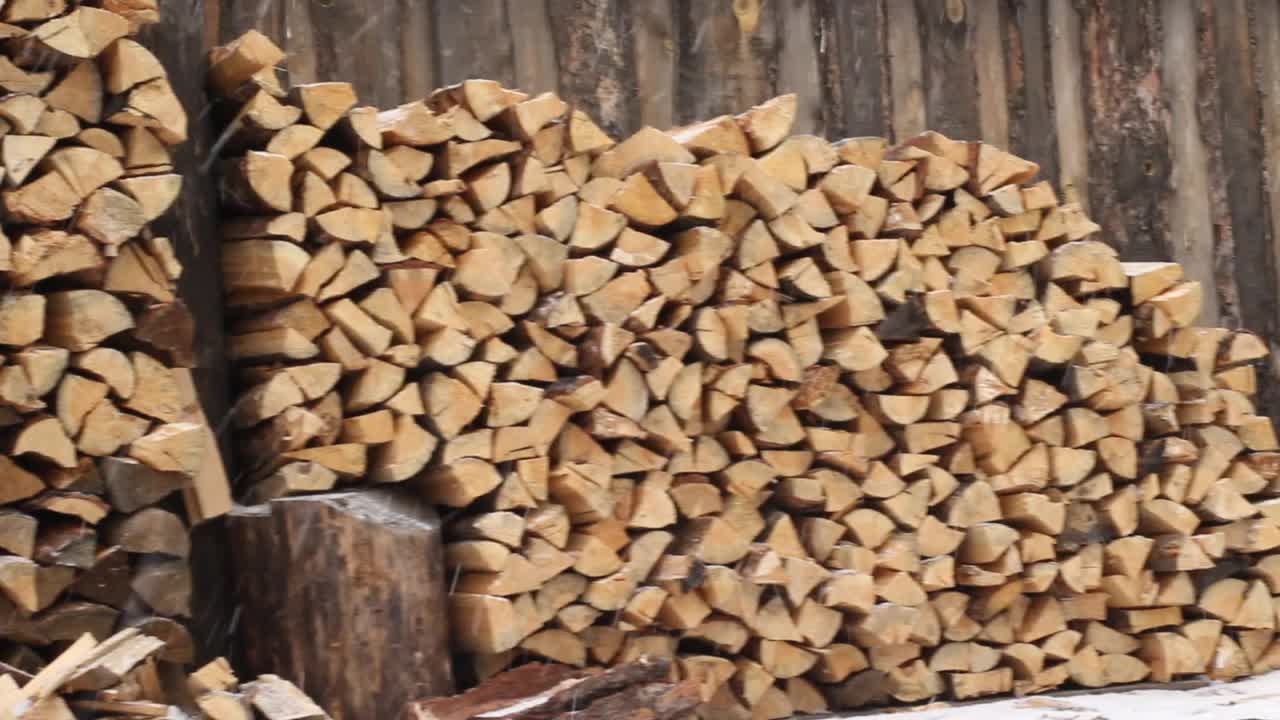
<point x="383" y="530"/>
<point x="80" y="319"/>
<point x="151" y="531"/>
<point x="277" y="699"/>
<point x="173" y="447"/>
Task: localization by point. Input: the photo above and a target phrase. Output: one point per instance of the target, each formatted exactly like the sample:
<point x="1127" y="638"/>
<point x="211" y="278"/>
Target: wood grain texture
<point x="593" y="50"/>
<point x="1033" y="133"/>
<point x="655" y="42"/>
<point x="533" y="47"/>
<point x="951" y="105"/>
<point x="986" y="18"/>
<point x="473" y="40"/>
<point x="1129" y="149"/>
<point x="906" y="71"/>
<point x="1266" y="38"/>
<point x="1068" y="101"/>
<point x="301" y="38"/>
<point x="1237" y="107"/>
<point x="1266" y="22"/>
<point x="851" y="50"/>
<point x="363" y="574"/>
<point x="798" y="63"/>
<point x="345" y="44"/>
<point x="417" y="60"/>
<point x="342" y="40"/>
<point x="1189" y="208"/>
<point x="1214" y="49"/>
<point x="237" y="16"/>
<point x="853" y="63"/>
<point x="728" y="57"/>
<point x="1209" y="86"/>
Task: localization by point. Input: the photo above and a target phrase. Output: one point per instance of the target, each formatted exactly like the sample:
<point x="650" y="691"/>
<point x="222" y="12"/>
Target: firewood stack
<point x="101" y="427"/>
<point x="832" y="424"/>
<point x="133" y="674"/>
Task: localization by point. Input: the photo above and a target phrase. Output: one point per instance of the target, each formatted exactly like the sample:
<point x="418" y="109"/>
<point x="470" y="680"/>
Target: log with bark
<point x="366" y="609"/>
<point x="827" y="424"/>
<point x="542" y="692"/>
<point x="101" y="435"/>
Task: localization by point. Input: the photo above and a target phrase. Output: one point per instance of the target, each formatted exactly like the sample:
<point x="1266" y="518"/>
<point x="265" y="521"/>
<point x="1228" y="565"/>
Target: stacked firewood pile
<point x="132" y="674"/>
<point x="829" y="424"/>
<point x="101" y="429"/>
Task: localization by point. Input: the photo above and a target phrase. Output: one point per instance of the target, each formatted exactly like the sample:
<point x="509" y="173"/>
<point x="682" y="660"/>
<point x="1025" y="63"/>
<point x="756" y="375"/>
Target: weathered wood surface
<point x="353" y="584"/>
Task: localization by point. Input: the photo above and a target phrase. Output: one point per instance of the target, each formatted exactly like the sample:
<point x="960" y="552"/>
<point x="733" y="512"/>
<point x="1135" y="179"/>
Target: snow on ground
<point x="1256" y="698"/>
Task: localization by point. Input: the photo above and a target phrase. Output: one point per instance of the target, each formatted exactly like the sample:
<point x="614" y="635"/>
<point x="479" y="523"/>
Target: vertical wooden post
<point x="1240" y="170"/>
<point x="1191" y="236"/>
<point x="949" y="75"/>
<point x="798" y="64"/>
<point x="854" y="68"/>
<point x="906" y="73"/>
<point x="985" y="21"/>
<point x="1130" y="157"/>
<point x="593" y="52"/>
<point x="1265" y="22"/>
<point x="1068" y="101"/>
<point x="1032" y="130"/>
<point x="473" y="40"/>
<point x="533" y="51"/>
<point x="179" y="41"/>
<point x="417" y="50"/>
<point x="656" y="49"/>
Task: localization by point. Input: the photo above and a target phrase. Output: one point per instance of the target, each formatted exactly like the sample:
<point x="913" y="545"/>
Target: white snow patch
<point x="1256" y="698"/>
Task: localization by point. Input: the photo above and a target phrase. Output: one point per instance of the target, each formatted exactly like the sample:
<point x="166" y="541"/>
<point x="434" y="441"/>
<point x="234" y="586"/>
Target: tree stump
<point x="344" y="593"/>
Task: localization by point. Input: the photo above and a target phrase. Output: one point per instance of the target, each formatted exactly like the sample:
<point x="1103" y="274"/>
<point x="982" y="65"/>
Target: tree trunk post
<point x="344" y="594"/>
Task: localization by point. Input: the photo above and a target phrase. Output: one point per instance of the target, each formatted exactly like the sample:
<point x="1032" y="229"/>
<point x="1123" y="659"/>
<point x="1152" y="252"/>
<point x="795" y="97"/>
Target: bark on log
<point x="345" y="593"/>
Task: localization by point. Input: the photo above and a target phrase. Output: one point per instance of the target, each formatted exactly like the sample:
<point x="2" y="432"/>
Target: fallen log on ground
<point x="546" y="692"/>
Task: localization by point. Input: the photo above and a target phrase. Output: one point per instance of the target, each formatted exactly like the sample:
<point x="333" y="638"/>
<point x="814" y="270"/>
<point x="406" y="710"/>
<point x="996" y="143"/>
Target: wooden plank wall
<point x="1160" y="115"/>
